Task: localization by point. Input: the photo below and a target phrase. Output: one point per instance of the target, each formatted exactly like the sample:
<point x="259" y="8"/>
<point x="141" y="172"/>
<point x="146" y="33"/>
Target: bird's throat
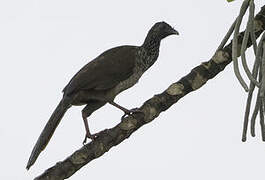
<point x="150" y="50"/>
<point x="151" y="44"/>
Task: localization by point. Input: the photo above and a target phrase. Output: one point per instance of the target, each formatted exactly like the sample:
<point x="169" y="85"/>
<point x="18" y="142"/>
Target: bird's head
<point x="162" y="30"/>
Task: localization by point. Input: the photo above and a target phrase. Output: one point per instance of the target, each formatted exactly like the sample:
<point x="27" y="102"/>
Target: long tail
<point x="48" y="131"/>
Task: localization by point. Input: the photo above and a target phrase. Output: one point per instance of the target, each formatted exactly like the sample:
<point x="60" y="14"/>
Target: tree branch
<point x="151" y="109"/>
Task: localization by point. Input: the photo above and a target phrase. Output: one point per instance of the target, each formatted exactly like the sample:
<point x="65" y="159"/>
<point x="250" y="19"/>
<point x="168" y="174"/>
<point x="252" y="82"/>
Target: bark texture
<point x="151" y="109"/>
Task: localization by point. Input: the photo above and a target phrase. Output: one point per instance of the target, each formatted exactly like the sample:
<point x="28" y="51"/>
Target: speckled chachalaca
<point x="102" y="79"/>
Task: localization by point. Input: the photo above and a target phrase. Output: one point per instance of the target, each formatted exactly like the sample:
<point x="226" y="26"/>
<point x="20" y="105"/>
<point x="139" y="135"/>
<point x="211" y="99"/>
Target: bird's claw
<point x="89" y="136"/>
<point x="130" y="112"/>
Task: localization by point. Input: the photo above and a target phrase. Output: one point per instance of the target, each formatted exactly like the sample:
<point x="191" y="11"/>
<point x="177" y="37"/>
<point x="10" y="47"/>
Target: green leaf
<point x="229" y="0"/>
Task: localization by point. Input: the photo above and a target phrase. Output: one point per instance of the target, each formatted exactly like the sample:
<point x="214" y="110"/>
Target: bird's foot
<point x="90" y="136"/>
<point x="130" y="112"/>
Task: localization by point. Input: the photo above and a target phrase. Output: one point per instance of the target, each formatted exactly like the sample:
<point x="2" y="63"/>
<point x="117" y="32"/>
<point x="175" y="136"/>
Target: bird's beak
<point x="173" y="31"/>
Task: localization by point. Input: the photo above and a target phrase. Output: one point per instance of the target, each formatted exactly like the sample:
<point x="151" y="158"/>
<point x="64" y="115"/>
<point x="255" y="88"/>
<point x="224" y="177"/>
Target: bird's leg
<point x="86" y="112"/>
<point x="88" y="134"/>
<point x="125" y="110"/>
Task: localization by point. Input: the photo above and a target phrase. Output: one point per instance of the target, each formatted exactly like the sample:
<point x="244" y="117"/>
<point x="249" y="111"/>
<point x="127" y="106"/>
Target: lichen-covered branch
<point x="151" y="109"/>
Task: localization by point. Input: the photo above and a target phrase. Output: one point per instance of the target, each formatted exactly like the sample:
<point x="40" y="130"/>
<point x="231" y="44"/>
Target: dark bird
<point x="102" y="79"/>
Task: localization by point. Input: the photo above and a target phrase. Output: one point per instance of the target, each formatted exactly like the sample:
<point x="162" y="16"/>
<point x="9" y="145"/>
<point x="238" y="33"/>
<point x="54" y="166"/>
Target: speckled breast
<point x="132" y="80"/>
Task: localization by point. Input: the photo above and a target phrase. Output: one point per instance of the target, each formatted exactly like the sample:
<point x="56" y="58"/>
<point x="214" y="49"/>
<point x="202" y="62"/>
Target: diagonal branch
<point x="151" y="109"/>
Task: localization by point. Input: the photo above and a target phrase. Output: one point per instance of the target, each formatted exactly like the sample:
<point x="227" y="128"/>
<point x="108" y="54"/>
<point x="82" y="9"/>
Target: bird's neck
<point x="151" y="43"/>
<point x="150" y="50"/>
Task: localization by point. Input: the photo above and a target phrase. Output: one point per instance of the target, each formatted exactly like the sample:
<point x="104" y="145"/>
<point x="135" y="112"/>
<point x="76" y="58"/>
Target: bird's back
<point x="106" y="71"/>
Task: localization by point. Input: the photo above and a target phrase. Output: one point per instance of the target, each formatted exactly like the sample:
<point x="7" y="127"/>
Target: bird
<point x="102" y="79"/>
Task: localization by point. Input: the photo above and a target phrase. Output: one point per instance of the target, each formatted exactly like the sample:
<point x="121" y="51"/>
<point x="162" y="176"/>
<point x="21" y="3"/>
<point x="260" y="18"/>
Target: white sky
<point x="44" y="43"/>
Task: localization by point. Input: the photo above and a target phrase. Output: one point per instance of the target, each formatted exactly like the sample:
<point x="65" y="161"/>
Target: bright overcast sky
<point x="44" y="43"/>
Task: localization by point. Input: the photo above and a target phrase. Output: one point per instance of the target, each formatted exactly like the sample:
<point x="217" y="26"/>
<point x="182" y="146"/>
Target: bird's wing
<point x="106" y="71"/>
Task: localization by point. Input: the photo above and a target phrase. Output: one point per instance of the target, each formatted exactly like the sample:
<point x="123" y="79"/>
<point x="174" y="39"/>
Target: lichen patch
<point x="198" y="81"/>
<point x="78" y="158"/>
<point x="206" y="64"/>
<point x="175" y="89"/>
<point x="128" y="124"/>
<point x="220" y="57"/>
<point x="99" y="150"/>
<point x="150" y="113"/>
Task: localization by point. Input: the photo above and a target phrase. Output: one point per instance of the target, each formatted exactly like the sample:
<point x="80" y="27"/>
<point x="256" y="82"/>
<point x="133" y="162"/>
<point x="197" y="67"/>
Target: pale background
<point x="44" y="43"/>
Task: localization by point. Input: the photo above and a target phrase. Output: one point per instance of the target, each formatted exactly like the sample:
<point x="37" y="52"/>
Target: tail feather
<point x="48" y="131"/>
